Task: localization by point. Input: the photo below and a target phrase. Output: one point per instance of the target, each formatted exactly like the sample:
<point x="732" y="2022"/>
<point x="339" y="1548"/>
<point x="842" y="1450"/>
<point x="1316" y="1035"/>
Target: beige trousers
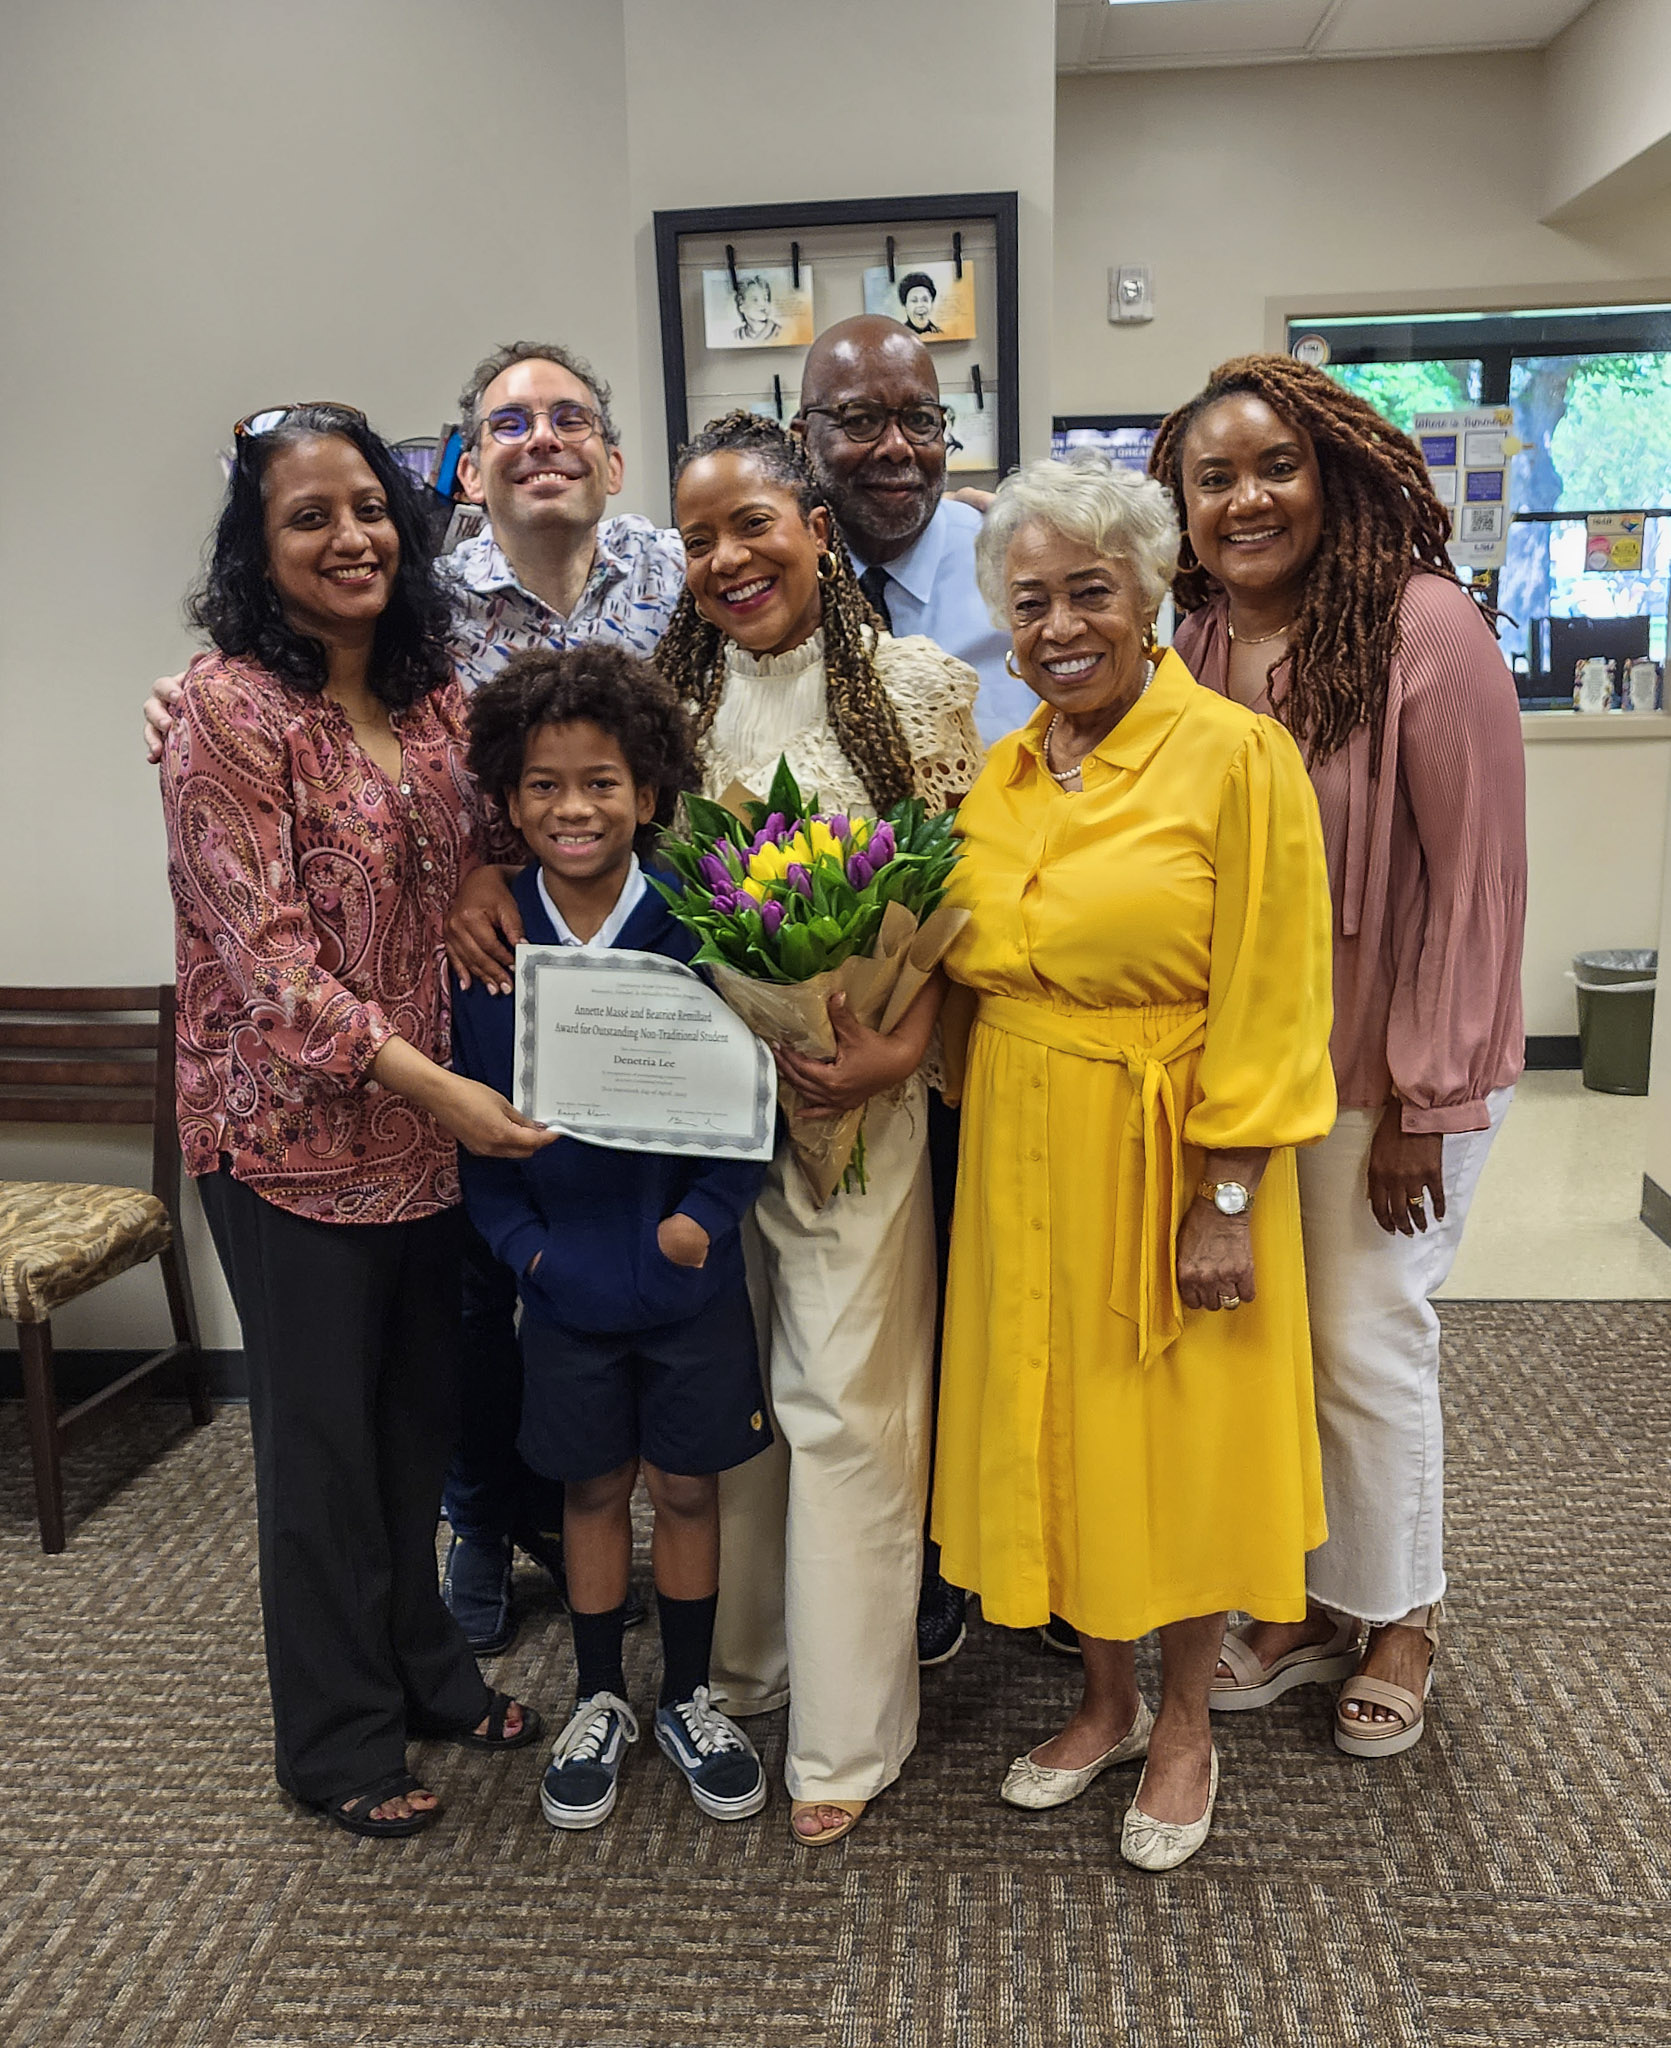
<point x="821" y="1537"/>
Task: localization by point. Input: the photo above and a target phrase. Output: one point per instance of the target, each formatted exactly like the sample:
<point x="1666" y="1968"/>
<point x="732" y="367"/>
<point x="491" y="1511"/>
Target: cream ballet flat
<point x="1152" y="1844"/>
<point x="1037" y="1786"/>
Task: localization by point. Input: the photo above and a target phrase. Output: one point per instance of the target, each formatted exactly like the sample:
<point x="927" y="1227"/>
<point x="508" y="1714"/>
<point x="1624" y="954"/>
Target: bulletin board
<point x="744" y="290"/>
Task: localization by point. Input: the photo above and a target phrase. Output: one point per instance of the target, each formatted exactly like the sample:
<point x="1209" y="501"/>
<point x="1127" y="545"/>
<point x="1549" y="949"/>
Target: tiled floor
<point x="1556" y="1214"/>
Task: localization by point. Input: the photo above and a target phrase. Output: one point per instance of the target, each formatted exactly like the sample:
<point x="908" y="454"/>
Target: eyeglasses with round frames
<point x="274" y="416"/>
<point x="920" y="423"/>
<point x="570" y="424"/>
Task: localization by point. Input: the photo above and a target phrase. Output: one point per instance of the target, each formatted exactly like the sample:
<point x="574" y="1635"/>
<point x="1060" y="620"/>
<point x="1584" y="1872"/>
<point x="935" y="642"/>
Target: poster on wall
<point x="1613" y="543"/>
<point x="1467" y="455"/>
<point x="929" y="298"/>
<point x="765" y="308"/>
<point x="973" y="428"/>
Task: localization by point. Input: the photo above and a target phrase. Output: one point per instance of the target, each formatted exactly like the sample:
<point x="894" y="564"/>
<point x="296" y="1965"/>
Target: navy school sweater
<point x="589" y="1210"/>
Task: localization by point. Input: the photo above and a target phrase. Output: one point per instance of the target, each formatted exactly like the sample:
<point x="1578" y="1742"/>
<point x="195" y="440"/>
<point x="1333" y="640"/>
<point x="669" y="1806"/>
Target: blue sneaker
<point x="717" y="1758"/>
<point x="578" y="1790"/>
<point x="476" y="1585"/>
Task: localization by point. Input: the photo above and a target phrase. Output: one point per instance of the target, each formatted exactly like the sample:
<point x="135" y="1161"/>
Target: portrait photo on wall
<point x="929" y="298"/>
<point x="765" y="308"/>
<point x="973" y="426"/>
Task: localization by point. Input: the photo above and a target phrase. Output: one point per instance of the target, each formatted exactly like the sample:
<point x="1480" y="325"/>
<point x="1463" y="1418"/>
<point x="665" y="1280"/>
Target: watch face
<point x="1230" y="1198"/>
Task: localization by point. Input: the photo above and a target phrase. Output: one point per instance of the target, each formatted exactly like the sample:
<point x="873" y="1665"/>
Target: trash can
<point x="1616" y="1019"/>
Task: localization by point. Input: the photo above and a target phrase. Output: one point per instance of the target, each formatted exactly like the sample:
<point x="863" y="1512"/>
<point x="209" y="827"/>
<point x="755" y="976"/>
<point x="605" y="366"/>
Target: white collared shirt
<point x="632" y="894"/>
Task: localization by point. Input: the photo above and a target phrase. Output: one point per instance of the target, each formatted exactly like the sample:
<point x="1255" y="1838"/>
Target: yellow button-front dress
<point x="1147" y="964"/>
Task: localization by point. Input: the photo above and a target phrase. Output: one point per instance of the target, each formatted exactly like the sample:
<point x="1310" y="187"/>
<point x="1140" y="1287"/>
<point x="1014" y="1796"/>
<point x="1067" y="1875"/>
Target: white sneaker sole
<point x="945" y="1656"/>
<point x="574" y="1817"/>
<point x="742" y="1808"/>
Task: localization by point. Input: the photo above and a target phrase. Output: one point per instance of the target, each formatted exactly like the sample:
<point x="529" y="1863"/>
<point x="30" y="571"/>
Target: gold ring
<point x="1230" y="1301"/>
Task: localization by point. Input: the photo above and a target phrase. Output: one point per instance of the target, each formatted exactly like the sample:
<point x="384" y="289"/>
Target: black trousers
<point x="351" y="1338"/>
<point x="490" y="1493"/>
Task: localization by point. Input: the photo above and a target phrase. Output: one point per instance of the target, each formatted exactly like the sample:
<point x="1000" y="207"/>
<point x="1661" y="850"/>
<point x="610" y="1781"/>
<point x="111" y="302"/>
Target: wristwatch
<point x="1228" y="1197"/>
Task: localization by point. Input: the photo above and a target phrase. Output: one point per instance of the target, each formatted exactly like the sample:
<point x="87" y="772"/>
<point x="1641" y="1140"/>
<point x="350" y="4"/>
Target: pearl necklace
<point x="1064" y="776"/>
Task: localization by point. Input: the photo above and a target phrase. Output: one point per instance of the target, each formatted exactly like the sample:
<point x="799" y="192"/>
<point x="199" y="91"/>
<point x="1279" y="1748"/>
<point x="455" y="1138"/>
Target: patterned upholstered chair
<point x="89" y="1056"/>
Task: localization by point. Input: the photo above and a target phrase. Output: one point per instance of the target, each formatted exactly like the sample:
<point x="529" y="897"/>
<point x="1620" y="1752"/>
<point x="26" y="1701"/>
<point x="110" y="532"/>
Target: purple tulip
<point x="882" y="848"/>
<point x="799" y="879"/>
<point x="714" y="872"/>
<point x="859" y="871"/>
<point x="840" y="824"/>
<point x="771" y="916"/>
<point x="726" y="899"/>
<point x="775" y="830"/>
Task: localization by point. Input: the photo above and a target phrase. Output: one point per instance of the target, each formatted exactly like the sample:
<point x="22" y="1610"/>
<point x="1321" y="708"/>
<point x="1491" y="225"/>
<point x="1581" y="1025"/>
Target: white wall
<point x="1597" y="805"/>
<point x="1360" y="187"/>
<point x="211" y="205"/>
<point x="1380" y="185"/>
<point x="1607" y="114"/>
<point x="799" y="103"/>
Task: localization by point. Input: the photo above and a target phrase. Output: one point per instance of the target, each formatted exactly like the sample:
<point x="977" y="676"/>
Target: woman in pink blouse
<point x="319" y="817"/>
<point x="1317" y="589"/>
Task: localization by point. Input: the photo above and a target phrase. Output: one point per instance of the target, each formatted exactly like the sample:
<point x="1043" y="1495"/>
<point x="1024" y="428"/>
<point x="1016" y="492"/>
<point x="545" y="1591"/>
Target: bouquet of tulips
<point x="792" y="904"/>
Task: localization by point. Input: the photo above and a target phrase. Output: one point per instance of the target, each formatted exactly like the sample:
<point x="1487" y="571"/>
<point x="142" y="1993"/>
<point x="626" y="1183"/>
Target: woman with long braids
<point x="776" y="652"/>
<point x="1317" y="589"/>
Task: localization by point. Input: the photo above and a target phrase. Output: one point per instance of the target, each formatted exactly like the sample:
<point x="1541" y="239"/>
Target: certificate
<point x="635" y="1051"/>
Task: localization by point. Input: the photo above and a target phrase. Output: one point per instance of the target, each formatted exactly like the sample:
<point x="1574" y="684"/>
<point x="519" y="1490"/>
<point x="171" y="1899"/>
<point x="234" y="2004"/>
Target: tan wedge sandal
<point x="1362" y="1737"/>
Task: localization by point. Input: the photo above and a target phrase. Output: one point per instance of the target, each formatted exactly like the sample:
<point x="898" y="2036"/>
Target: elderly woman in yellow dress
<point x="1126" y="1430"/>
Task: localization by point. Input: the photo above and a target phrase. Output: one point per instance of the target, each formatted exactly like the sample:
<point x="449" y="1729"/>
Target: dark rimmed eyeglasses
<point x="274" y="416"/>
<point x="920" y="423"/>
<point x="570" y="424"/>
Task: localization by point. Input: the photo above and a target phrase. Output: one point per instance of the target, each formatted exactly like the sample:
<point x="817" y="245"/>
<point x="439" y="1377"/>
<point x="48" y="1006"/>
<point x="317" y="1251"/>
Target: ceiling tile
<point x="1204" y="31"/>
<point x="1365" y="28"/>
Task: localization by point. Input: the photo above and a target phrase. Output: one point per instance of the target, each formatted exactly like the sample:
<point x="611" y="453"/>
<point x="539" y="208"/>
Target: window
<point x="1590" y="392"/>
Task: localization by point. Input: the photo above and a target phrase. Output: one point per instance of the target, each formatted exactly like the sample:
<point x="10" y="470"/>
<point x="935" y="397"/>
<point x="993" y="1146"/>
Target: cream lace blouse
<point x="776" y="705"/>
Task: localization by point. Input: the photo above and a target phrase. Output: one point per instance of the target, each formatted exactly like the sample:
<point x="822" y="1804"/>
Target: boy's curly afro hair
<point x="603" y="685"/>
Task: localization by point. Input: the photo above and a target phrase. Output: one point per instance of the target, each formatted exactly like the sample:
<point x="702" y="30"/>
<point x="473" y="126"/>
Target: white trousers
<point x="821" y="1537"/>
<point x="1375" y="1354"/>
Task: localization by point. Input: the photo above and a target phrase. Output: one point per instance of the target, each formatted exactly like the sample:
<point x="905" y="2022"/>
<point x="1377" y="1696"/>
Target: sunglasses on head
<point x="274" y="416"/>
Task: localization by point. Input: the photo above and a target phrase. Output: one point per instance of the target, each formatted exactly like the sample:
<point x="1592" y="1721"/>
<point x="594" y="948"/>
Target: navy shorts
<point x="686" y="1396"/>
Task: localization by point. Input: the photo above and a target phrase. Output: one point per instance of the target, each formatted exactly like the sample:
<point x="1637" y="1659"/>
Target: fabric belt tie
<point x="1144" y="1281"/>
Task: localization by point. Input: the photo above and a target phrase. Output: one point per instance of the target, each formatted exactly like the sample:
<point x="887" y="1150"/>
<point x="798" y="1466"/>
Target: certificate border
<point x="628" y="1137"/>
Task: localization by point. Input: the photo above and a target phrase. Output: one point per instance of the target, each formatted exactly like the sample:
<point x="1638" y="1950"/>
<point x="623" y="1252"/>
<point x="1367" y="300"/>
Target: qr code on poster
<point x="1481" y="522"/>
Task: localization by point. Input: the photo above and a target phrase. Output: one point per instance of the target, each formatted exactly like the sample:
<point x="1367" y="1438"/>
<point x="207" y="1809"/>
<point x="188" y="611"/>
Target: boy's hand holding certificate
<point x="634" y="1051"/>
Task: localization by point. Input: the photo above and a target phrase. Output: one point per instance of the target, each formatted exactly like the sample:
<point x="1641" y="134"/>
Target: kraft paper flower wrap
<point x="792" y="904"/>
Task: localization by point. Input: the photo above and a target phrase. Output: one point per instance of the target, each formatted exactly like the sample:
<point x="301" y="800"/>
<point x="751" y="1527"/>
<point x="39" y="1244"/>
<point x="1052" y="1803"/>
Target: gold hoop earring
<point x="1151" y="646"/>
<point x="828" y="567"/>
<point x="1009" y="664"/>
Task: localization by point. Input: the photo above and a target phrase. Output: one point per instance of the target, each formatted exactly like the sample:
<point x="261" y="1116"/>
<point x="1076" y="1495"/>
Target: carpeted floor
<point x="1509" y="1881"/>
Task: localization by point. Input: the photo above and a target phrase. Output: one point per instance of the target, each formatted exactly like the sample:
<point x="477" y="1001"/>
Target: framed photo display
<point x="744" y="290"/>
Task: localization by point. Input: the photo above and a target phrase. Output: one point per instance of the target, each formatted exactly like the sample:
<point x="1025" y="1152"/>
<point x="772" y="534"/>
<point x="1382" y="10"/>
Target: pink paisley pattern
<point x="309" y="893"/>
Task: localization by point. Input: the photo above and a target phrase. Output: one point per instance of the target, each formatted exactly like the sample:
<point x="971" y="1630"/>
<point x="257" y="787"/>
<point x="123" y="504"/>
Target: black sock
<point x="687" y="1640"/>
<point x="597" y="1652"/>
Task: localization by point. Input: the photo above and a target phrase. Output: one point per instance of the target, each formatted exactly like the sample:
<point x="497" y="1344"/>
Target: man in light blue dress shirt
<point x="913" y="546"/>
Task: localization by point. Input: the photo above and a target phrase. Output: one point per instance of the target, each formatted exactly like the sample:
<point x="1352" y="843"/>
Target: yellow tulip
<point x="753" y="888"/>
<point x="768" y="864"/>
<point x="797" y="850"/>
<point x="823" y="839"/>
<point x="860" y="833"/>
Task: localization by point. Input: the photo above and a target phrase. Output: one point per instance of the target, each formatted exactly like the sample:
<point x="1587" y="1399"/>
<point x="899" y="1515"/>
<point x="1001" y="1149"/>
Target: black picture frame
<point x="952" y="208"/>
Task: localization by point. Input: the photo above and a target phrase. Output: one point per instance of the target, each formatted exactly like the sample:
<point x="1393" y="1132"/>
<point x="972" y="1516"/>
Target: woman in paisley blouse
<point x="319" y="816"/>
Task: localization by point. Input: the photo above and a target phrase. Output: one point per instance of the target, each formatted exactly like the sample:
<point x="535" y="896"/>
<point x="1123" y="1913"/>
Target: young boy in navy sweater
<point x="637" y="1336"/>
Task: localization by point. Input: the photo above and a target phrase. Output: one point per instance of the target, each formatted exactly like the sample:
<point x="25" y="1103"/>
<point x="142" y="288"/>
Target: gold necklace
<point x="1257" y="640"/>
<point x="1065" y="775"/>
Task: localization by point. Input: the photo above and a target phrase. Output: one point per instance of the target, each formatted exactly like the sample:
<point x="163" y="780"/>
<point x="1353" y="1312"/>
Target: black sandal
<point x="354" y="1812"/>
<point x="495" y="1738"/>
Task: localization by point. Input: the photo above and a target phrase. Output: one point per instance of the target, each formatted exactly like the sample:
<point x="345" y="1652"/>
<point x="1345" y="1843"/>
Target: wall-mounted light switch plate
<point x="1131" y="293"/>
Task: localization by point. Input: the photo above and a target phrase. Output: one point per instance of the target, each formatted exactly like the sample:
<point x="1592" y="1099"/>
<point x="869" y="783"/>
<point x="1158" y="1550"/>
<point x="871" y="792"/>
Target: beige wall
<point x="795" y="102"/>
<point x="1607" y="111"/>
<point x="1359" y="187"/>
<point x="1374" y="184"/>
<point x="211" y="205"/>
